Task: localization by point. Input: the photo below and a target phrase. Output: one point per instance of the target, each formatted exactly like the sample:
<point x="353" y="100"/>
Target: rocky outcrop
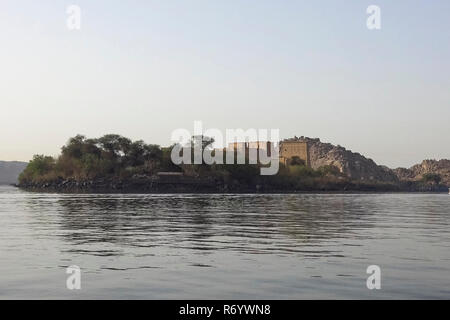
<point x="135" y="184"/>
<point x="10" y="171"/>
<point x="359" y="168"/>
<point x="352" y="164"/>
<point x="146" y="184"/>
<point x="417" y="172"/>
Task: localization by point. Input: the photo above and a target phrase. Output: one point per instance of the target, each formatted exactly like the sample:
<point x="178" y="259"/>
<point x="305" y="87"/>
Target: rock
<point x="416" y="172"/>
<point x="352" y="164"/>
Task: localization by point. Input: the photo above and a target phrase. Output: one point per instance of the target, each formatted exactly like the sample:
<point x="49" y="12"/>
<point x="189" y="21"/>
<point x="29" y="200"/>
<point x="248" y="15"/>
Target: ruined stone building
<point x="294" y="148"/>
<point x="251" y="149"/>
<point x="288" y="149"/>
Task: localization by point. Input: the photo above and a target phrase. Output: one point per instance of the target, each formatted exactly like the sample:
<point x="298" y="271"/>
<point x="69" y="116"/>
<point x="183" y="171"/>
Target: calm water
<point x="224" y="246"/>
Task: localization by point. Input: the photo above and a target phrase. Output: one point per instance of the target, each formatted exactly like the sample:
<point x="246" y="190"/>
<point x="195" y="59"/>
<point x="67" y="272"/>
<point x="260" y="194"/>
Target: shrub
<point x="431" y="178"/>
<point x="296" y="161"/>
<point x="37" y="169"/>
<point x="329" y="170"/>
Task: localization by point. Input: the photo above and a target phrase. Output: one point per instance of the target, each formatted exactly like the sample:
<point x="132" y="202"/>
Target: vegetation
<point x="40" y="168"/>
<point x="431" y="178"/>
<point x="110" y="155"/>
<point x="118" y="158"/>
<point x="296" y="161"/>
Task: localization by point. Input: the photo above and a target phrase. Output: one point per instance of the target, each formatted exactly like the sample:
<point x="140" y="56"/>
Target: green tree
<point x="37" y="169"/>
<point x="296" y="161"/>
<point x="431" y="178"/>
<point x="114" y="144"/>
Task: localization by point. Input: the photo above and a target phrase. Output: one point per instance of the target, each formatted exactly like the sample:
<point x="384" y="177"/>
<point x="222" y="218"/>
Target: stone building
<point x="294" y="148"/>
<point x="251" y="149"/>
<point x="288" y="149"/>
<point x="238" y="146"/>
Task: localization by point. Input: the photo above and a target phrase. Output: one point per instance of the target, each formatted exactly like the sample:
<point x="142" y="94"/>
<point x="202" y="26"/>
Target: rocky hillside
<point x="417" y="172"/>
<point x="358" y="167"/>
<point x="9" y="171"/>
<point x="353" y="165"/>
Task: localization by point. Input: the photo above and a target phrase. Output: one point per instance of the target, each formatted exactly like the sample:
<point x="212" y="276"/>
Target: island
<point x="116" y="164"/>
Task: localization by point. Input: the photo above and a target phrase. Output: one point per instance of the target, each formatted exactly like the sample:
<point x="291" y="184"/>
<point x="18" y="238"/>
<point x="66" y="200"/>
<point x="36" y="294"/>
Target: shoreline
<point x="186" y="191"/>
<point x="237" y="193"/>
<point x="211" y="185"/>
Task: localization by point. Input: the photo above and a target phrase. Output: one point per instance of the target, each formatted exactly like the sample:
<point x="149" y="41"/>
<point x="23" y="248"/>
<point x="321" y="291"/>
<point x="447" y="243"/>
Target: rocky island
<point x="114" y="163"/>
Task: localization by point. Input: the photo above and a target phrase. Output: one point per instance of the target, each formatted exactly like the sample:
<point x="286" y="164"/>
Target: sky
<point x="309" y="68"/>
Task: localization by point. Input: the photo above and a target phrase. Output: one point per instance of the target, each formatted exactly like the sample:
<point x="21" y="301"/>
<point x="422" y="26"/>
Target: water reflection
<point x="224" y="246"/>
<point x="242" y="223"/>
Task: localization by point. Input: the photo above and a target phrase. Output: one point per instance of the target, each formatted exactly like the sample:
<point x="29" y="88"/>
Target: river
<point x="287" y="246"/>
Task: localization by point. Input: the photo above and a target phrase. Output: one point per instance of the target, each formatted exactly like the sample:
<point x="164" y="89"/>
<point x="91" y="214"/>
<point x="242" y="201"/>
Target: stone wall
<point x="290" y="149"/>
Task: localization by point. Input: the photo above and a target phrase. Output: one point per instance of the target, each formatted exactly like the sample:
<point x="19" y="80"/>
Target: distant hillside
<point x="10" y="170"/>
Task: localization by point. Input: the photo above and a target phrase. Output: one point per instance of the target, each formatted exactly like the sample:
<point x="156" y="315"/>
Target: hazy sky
<point x="145" y="68"/>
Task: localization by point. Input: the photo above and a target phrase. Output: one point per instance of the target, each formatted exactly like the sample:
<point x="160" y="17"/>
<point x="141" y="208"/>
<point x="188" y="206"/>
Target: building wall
<point x="251" y="149"/>
<point x="239" y="146"/>
<point x="264" y="145"/>
<point x="290" y="149"/>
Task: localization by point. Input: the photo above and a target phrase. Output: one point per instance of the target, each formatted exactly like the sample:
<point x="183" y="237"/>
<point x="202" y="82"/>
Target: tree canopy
<point x="118" y="157"/>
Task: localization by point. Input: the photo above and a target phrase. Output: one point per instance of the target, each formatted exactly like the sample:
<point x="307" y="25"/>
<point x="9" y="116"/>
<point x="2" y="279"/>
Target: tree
<point x="200" y="142"/>
<point x="431" y="178"/>
<point x="114" y="144"/>
<point x="203" y="141"/>
<point x="296" y="161"/>
<point x="138" y="153"/>
<point x="37" y="168"/>
<point x="73" y="148"/>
